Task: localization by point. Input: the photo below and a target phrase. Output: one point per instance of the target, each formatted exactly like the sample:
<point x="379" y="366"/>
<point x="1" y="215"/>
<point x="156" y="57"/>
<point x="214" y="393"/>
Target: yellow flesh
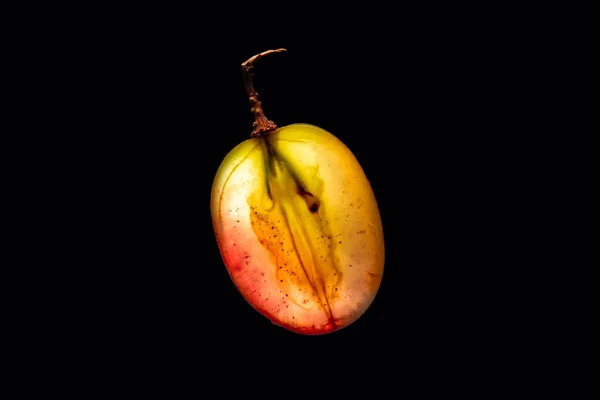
<point x="299" y="229"/>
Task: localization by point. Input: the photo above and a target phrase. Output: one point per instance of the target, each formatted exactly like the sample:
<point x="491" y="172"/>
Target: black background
<point x="147" y="101"/>
<point x="410" y="111"/>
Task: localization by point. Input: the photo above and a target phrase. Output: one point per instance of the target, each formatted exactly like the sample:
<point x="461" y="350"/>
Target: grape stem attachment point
<point x="262" y="125"/>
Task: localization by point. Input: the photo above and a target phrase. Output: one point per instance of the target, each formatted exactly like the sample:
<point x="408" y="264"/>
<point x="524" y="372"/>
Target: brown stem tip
<point x="262" y="125"/>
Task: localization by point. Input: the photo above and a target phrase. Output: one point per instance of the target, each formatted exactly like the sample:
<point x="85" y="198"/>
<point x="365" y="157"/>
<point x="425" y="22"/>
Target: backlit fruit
<point x="297" y="224"/>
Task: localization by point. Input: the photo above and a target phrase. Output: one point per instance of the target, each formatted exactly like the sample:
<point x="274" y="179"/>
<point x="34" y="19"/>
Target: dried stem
<point x="262" y="125"/>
